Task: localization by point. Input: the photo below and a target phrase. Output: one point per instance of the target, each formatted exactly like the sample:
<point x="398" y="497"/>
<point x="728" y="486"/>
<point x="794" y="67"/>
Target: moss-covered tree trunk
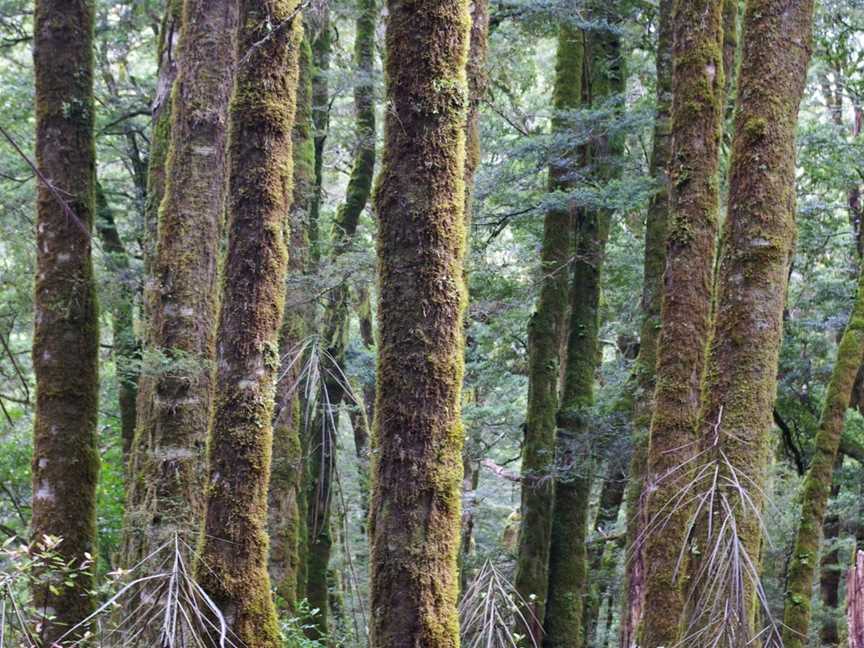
<point x="477" y="84"/>
<point x="568" y="559"/>
<point x="546" y="334"/>
<point x="174" y="401"/>
<point x="819" y="478"/>
<point x="320" y="36"/>
<point x="697" y="113"/>
<point x="830" y="568"/>
<point x="66" y="333"/>
<point x="758" y="236"/>
<point x="420" y="202"/>
<point x="652" y="290"/>
<point x="234" y="547"/>
<point x="336" y="316"/>
<point x="287" y="499"/>
<point x="122" y="302"/>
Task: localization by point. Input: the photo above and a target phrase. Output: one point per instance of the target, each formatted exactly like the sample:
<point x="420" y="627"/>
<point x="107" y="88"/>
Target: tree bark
<point x="336" y="316"/>
<point x="234" y="548"/>
<point x="652" y="290"/>
<point x="568" y="559"/>
<point x="175" y="391"/>
<point x="697" y="113"/>
<point x="819" y="478"/>
<point x="66" y="332"/>
<point x="546" y="334"/>
<point x="287" y="499"/>
<point x="758" y="237"/>
<point x="420" y="201"/>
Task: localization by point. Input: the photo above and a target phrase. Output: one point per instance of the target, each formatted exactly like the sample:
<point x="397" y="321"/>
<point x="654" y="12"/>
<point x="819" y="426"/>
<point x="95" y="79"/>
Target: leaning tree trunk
<point x="174" y="401"/>
<point x="644" y="372"/>
<point x="568" y="559"/>
<point x="335" y="339"/>
<point x="234" y="548"/>
<point x="697" y="113"/>
<point x="546" y="333"/>
<point x="287" y="497"/>
<point x="66" y="332"/>
<point x="420" y="200"/>
<point x="741" y="378"/>
<point x="819" y="478"/>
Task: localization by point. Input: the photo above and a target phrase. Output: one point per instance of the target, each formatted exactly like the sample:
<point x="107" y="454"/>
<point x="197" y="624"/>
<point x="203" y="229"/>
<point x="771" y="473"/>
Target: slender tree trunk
<point x="174" y="401"/>
<point x="287" y="502"/>
<point x="336" y="316"/>
<point x="420" y="201"/>
<point x="652" y="289"/>
<point x="568" y="559"/>
<point x="830" y="574"/>
<point x="234" y="547"/>
<point x="126" y="350"/>
<point x="741" y="379"/>
<point x="546" y="334"/>
<point x="697" y="113"/>
<point x="819" y="478"/>
<point x="321" y="39"/>
<point x="477" y="84"/>
<point x="66" y="333"/>
<point x="855" y="601"/>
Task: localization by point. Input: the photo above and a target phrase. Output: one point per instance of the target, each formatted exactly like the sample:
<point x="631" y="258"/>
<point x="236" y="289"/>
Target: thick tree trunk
<point x="234" y="547"/>
<point x="741" y="378"/>
<point x="174" y="401"/>
<point x="546" y="334"/>
<point x="336" y="316"/>
<point x="287" y="499"/>
<point x="568" y="559"/>
<point x="420" y="200"/>
<point x="697" y="113"/>
<point x="818" y="481"/>
<point x="652" y="290"/>
<point x="66" y="333"/>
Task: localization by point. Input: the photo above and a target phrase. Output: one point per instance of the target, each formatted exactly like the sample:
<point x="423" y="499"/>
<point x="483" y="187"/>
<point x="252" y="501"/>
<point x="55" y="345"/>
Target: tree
<point x="656" y="224"/>
<point x="66" y="333"/>
<point x="287" y="516"/>
<point x="741" y="376"/>
<point x="546" y="334"/>
<point x="697" y="112"/>
<point x="568" y="560"/>
<point x="420" y="201"/>
<point x="175" y="392"/>
<point x="336" y="316"/>
<point x="234" y="549"/>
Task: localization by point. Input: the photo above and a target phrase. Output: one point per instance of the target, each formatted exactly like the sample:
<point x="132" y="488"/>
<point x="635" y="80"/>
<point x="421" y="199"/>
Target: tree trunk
<point x="568" y="559"/>
<point x="66" y="333"/>
<point x="125" y="344"/>
<point x="420" y="201"/>
<point x="319" y="30"/>
<point x="546" y="334"/>
<point x="234" y="547"/>
<point x="174" y="401"/>
<point x="287" y="500"/>
<point x="855" y="601"/>
<point x="335" y="337"/>
<point x="652" y="290"/>
<point x="830" y="575"/>
<point x="741" y="379"/>
<point x="819" y="478"/>
<point x="697" y="113"/>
